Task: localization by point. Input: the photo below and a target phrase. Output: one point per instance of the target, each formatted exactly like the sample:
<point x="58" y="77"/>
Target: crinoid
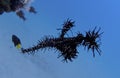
<point x="16" y="6"/>
<point x="67" y="46"/>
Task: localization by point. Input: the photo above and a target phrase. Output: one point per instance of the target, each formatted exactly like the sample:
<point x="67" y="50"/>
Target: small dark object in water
<point x="16" y="41"/>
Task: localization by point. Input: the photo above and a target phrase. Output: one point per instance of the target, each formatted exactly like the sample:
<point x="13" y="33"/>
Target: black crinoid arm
<point x="67" y="46"/>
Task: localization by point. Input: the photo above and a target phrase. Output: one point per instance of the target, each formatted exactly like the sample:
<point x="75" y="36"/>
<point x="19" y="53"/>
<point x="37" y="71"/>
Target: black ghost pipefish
<point x="67" y="46"/>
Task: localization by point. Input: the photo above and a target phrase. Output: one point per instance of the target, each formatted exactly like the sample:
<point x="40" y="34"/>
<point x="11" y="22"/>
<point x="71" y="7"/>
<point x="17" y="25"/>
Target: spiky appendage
<point x="91" y="41"/>
<point x="67" y="46"/>
<point x="68" y="24"/>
